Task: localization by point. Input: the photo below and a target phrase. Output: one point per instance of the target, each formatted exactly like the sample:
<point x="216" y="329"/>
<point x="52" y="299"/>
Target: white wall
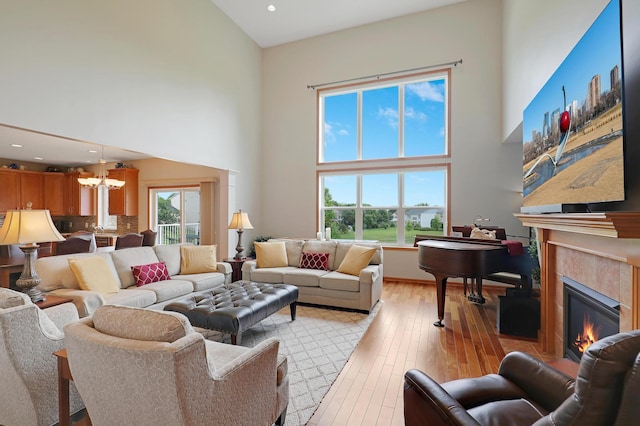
<point x="175" y="79"/>
<point x="537" y="36"/>
<point x="485" y="172"/>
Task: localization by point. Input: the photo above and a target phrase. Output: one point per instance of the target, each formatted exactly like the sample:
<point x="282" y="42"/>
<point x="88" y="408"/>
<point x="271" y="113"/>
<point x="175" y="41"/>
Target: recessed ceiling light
<point x="93" y="151"/>
<point x="271" y="8"/>
<point x="16" y="145"/>
<point x="38" y="158"/>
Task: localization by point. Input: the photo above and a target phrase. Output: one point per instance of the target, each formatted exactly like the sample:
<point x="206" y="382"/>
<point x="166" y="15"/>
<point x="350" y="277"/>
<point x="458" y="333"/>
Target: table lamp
<point x="240" y="221"/>
<point x="28" y="228"/>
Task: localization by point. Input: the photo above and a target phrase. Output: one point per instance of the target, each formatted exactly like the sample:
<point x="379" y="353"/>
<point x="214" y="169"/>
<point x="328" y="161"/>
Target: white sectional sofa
<point x="58" y="278"/>
<point x="324" y="287"/>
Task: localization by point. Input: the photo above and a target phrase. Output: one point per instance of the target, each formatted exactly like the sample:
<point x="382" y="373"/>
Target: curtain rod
<point x="377" y="76"/>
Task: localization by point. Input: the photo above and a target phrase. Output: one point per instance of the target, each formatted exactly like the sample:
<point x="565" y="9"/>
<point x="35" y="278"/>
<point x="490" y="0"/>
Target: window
<point x="383" y="159"/>
<point x="105" y="220"/>
<point x="176" y="214"/>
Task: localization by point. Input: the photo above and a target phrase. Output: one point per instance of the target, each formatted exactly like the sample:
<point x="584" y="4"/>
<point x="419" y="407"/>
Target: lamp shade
<point x="240" y="220"/>
<point x="28" y="227"/>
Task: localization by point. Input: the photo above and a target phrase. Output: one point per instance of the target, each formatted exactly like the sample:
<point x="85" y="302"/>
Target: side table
<point x="51" y="300"/>
<point x="236" y="267"/>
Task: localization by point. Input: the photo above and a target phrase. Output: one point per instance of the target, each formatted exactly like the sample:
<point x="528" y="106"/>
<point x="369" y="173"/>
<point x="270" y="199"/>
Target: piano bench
<point x="509" y="278"/>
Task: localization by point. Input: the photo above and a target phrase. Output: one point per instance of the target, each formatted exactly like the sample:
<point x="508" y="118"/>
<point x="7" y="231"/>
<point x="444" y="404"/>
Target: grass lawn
<point x="386" y="235"/>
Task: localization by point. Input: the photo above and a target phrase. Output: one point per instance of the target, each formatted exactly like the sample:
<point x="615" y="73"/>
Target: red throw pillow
<point x="315" y="261"/>
<point x="151" y="273"/>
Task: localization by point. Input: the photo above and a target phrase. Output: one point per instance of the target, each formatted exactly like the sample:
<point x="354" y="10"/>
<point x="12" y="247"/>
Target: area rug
<point x="317" y="344"/>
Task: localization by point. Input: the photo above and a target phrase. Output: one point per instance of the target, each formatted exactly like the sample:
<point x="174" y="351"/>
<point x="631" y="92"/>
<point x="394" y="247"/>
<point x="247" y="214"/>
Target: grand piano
<point x="467" y="258"/>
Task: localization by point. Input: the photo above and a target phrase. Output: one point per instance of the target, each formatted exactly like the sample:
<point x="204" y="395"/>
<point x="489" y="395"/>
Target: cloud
<point x="427" y="91"/>
<point x="411" y="113"/>
<point x="390" y="114"/>
<point x="334" y="130"/>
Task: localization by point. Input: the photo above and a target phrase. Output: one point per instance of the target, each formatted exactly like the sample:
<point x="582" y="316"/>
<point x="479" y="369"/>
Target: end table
<point x="236" y="267"/>
<point x="51" y="300"/>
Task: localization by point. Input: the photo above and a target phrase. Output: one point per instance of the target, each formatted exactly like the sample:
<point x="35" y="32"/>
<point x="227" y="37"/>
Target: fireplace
<point x="588" y="317"/>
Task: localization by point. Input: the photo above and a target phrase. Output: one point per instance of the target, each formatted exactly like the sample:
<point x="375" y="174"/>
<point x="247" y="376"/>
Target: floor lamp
<point x="240" y="221"/>
<point x="28" y="228"/>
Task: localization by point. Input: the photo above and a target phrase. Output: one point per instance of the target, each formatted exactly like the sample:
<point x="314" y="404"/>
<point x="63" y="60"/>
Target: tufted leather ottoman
<point x="234" y="308"/>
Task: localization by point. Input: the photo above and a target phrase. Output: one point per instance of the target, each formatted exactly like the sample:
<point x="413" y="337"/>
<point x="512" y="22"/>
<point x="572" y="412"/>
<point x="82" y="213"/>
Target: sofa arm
<point x="86" y="301"/>
<point x="426" y="402"/>
<point x="369" y="274"/>
<point x="62" y="315"/>
<point x="224" y="268"/>
<point x="544" y="384"/>
<point x="247" y="268"/>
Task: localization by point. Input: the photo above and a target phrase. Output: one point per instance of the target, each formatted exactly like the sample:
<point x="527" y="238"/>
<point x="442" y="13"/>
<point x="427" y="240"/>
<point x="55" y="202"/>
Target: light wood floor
<point x="368" y="391"/>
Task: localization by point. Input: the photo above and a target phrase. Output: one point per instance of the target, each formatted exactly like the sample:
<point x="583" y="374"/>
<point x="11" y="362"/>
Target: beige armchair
<point x="140" y="366"/>
<point x="28" y="368"/>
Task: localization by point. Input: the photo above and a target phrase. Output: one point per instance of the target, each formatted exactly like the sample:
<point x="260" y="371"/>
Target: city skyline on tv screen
<point x="572" y="129"/>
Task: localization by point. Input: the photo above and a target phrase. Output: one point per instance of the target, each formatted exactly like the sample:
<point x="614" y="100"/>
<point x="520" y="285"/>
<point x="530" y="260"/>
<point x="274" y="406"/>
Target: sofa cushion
<point x="339" y="281"/>
<point x="93" y="273"/>
<point x="141" y="324"/>
<point x="342" y="248"/>
<point x="314" y="246"/>
<point x="271" y="254"/>
<point x="293" y="248"/>
<point x="356" y="259"/>
<point x="124" y="259"/>
<point x="315" y="261"/>
<point x="270" y="275"/>
<point x="55" y="273"/>
<point x="170" y="254"/>
<point x="137" y="297"/>
<point x="170" y="289"/>
<point x="303" y="277"/>
<point x="150" y="273"/>
<point x="205" y="281"/>
<point x="198" y="259"/>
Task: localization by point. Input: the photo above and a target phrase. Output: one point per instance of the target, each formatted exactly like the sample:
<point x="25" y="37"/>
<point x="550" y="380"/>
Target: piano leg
<point x="473" y="296"/>
<point x="441" y="290"/>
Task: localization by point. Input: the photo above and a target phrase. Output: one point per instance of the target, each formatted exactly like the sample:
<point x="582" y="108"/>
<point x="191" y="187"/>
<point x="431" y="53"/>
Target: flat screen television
<point x="573" y="136"/>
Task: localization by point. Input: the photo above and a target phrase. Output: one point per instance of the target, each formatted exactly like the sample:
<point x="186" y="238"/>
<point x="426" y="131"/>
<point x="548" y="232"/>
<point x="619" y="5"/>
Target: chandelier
<point x="101" y="180"/>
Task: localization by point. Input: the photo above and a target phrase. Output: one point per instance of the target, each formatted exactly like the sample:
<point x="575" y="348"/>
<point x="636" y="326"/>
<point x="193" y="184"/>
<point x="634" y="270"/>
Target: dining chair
<point x="72" y="245"/>
<point x="128" y="240"/>
<point x="149" y="237"/>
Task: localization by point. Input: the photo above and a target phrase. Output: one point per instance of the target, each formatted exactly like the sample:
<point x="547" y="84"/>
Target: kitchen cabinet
<point x="79" y="200"/>
<point x="31" y="190"/>
<point x="9" y="190"/>
<point x="54" y="185"/>
<point x="124" y="201"/>
<point x="20" y="187"/>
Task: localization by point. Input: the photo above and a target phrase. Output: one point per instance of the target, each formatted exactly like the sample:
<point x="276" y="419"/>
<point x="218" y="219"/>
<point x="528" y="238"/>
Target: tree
<point x="166" y="212"/>
<point x="436" y="223"/>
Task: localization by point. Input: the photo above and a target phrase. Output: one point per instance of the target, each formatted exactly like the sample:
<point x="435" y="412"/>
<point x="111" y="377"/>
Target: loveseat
<point x="132" y="277"/>
<point x="319" y="270"/>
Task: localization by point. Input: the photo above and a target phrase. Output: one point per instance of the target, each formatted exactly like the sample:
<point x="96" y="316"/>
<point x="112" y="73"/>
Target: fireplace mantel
<point x="600" y="250"/>
<point x="606" y="224"/>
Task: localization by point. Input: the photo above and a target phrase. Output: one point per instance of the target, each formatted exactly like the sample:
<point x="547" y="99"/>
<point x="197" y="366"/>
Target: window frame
<point x="398" y="165"/>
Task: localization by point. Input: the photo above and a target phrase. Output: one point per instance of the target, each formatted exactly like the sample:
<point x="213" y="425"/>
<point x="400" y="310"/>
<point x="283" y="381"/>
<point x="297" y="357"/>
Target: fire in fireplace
<point x="588" y="316"/>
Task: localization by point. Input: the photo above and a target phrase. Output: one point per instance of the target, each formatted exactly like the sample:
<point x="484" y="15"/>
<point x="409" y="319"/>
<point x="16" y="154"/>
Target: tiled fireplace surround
<point x="599" y="250"/>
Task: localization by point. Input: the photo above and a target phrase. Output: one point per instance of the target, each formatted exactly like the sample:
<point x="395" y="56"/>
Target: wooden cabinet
<point x="9" y="190"/>
<point x="18" y="187"/>
<point x="54" y="185"/>
<point x="79" y="200"/>
<point x="124" y="201"/>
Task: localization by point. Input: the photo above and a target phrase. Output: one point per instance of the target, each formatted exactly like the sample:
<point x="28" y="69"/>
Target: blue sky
<point x="424" y="134"/>
<point x="597" y="52"/>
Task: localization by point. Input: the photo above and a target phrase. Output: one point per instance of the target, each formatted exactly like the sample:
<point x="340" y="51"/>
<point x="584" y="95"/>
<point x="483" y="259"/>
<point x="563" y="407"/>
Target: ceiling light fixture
<point x="271" y="8"/>
<point x="101" y="179"/>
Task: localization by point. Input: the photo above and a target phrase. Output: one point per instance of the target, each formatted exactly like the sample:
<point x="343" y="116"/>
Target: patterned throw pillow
<point x="315" y="261"/>
<point x="151" y="273"/>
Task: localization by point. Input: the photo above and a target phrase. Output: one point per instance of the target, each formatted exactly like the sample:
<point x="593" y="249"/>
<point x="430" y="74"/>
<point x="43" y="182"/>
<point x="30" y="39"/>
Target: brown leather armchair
<point x="527" y="391"/>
